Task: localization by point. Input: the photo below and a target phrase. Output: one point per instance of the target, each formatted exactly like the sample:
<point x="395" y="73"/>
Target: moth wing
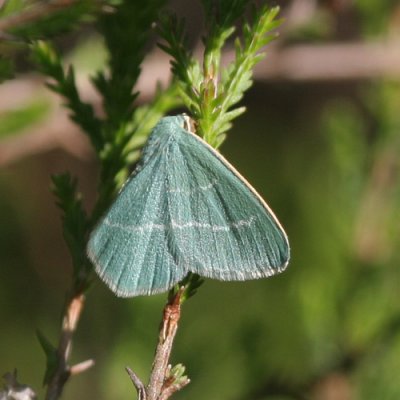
<point x="129" y="247"/>
<point x="222" y="228"/>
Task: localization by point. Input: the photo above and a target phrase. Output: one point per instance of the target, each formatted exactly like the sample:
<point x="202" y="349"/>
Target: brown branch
<point x="163" y="383"/>
<point x="169" y="326"/>
<point x="62" y="372"/>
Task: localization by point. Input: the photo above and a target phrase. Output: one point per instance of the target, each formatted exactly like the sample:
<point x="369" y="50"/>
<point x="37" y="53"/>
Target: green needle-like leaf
<point x="51" y="356"/>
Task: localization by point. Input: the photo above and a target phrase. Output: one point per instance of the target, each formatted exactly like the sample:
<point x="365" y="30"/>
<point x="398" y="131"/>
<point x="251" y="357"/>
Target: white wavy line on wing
<point x="177" y="225"/>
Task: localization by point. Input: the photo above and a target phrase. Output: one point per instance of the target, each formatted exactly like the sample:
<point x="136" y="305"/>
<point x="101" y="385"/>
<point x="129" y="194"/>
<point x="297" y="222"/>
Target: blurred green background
<point x="323" y="151"/>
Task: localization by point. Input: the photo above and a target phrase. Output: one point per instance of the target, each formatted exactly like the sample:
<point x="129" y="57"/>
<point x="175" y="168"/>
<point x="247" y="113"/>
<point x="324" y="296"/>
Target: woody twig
<point x="164" y="380"/>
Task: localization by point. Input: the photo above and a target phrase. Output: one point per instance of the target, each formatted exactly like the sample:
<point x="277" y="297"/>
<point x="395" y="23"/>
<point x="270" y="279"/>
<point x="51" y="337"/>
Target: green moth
<point x="185" y="208"/>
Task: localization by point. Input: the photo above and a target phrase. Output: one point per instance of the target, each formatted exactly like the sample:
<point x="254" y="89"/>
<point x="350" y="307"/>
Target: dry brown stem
<point x="63" y="371"/>
<point x="162" y="385"/>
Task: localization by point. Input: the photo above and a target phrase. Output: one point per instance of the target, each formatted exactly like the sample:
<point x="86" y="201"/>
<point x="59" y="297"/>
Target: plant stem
<point x="62" y="372"/>
<point x="169" y="326"/>
<point x="162" y="385"/>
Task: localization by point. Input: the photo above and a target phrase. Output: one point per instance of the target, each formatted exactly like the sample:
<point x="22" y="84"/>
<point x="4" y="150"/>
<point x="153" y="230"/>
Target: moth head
<point x="189" y="124"/>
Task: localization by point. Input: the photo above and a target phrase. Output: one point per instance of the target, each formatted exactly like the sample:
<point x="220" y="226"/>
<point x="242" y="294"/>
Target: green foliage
<point x="348" y="147"/>
<point x="366" y="205"/>
<point x="21" y="22"/>
<point x="210" y="92"/>
<point x="125" y="41"/>
<point x="376" y="15"/>
<point x="50" y="64"/>
<point x="126" y="31"/>
<point x="11" y="7"/>
<point x="75" y="225"/>
<point x="38" y="20"/>
<point x="177" y="374"/>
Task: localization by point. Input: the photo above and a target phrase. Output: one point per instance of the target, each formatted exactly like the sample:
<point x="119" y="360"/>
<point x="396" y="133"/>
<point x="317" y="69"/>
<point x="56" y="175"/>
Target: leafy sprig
<point x="125" y="41"/>
<point x="209" y="91"/>
<point x="75" y="225"/>
<point x="63" y="82"/>
<point x="36" y="19"/>
<point x="21" y="22"/>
